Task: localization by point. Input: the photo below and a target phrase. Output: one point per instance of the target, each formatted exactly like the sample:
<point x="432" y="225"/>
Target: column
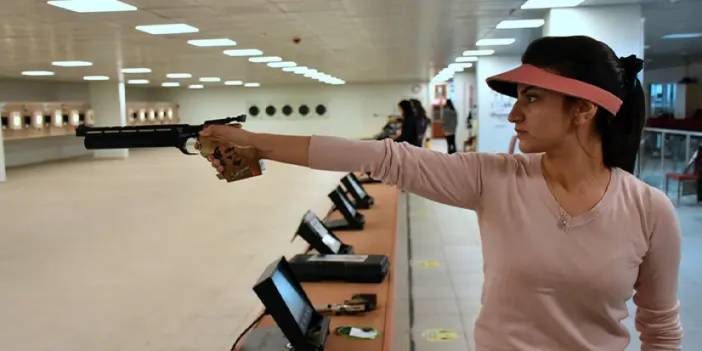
<point x="463" y="99"/>
<point x="621" y="26"/>
<point x="494" y="130"/>
<point x="107" y="99"/>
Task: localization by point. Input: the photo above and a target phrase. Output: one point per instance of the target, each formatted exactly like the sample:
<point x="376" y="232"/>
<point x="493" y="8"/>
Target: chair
<point x="690" y="174"/>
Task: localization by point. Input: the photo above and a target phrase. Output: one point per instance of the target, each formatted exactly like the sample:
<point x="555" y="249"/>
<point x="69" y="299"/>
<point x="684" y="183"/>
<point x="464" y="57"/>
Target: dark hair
<point x="594" y="62"/>
<point x="418" y="108"/>
<point x="449" y="104"/>
<point x="407" y="110"/>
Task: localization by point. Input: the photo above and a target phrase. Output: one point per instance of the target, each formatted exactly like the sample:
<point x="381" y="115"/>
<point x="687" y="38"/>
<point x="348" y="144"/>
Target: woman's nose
<point x="516" y="115"/>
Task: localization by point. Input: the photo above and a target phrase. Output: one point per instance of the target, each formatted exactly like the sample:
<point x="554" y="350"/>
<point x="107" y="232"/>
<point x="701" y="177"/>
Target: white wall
<point x="24" y="152"/>
<point x="672" y="74"/>
<point x="494" y="131"/>
<point x="354" y="110"/>
<point x="35" y="90"/>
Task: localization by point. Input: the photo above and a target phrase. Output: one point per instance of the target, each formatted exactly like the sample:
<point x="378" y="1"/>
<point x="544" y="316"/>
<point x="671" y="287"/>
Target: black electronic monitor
<point x="292" y="310"/>
<point x="352" y="218"/>
<point x="359" y="194"/>
<point x="320" y="237"/>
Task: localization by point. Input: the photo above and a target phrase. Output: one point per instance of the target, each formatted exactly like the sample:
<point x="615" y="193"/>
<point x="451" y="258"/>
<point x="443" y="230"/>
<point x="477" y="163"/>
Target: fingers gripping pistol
<point x="163" y="135"/>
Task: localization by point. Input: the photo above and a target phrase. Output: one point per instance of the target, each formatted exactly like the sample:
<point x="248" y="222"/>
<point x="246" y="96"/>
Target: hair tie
<point x="631" y="66"/>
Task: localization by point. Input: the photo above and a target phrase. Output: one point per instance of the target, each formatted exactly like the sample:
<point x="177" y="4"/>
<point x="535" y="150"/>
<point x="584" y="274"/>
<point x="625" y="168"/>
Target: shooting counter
<point x="384" y="233"/>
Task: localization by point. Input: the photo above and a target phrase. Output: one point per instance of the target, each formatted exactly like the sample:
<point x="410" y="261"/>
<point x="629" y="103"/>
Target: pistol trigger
<point x="184" y="150"/>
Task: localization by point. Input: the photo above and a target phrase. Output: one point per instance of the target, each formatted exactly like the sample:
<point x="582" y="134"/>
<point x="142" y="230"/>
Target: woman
<point x="423" y="121"/>
<point x="410" y="129"/>
<point x="568" y="234"/>
<point x="449" y="118"/>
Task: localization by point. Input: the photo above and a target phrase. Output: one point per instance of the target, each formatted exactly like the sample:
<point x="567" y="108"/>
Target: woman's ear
<point x="583" y="111"/>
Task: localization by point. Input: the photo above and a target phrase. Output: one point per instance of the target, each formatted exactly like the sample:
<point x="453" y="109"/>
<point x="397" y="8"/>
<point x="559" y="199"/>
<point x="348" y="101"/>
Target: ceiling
<point x="355" y="40"/>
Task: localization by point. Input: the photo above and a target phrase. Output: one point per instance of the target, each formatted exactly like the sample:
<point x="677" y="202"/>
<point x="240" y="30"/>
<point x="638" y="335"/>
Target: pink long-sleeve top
<point x="552" y="282"/>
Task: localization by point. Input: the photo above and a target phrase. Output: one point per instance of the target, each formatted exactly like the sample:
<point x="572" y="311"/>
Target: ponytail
<point x="621" y="134"/>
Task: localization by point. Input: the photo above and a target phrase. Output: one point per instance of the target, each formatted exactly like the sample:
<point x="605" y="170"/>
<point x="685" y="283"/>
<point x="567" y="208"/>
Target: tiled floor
<point x="448" y="295"/>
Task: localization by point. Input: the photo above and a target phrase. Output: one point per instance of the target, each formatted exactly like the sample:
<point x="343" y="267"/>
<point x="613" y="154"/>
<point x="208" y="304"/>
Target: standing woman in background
<point x="449" y="118"/>
<point x="568" y="234"/>
<point x="410" y="128"/>
<point x="422" y="120"/>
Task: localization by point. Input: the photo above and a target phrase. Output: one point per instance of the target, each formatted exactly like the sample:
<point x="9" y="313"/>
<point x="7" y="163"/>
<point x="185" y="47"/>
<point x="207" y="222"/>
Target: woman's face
<point x="540" y="119"/>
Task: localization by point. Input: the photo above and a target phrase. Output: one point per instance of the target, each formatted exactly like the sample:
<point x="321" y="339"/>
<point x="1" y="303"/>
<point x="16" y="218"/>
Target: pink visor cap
<point x="506" y="83"/>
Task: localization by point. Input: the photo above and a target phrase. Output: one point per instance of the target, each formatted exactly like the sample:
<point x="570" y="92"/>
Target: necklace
<point x="563" y="221"/>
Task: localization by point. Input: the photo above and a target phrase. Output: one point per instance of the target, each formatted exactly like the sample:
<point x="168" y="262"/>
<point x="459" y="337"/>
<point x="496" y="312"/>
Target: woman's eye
<point x="531" y="99"/>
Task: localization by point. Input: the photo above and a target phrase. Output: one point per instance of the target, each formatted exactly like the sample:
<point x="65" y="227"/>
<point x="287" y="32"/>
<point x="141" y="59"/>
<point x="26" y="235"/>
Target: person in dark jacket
<point x="450" y="119"/>
<point x="410" y="130"/>
<point x="423" y="121"/>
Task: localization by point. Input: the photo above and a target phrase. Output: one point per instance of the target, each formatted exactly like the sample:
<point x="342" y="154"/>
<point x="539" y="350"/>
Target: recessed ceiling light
<point x="289" y="69"/>
<point x="548" y="4"/>
<point x="252" y="85"/>
<point x="495" y="42"/>
<point x="467" y="59"/>
<point x="210" y="79"/>
<point x="136" y="70"/>
<point x="170" y="84"/>
<point x="72" y="63"/>
<point x="299" y="69"/>
<point x="478" y="52"/>
<point x="196" y="86"/>
<point x="309" y="73"/>
<point x="233" y="82"/>
<point x="93" y="5"/>
<point x="243" y="52"/>
<point x="159" y="29"/>
<point x="179" y="75"/>
<point x="38" y="73"/>
<point x="525" y="23"/>
<point x="282" y="64"/>
<point x="138" y="81"/>
<point x="265" y="59"/>
<point x="96" y="78"/>
<point x="682" y="36"/>
<point x="212" y="42"/>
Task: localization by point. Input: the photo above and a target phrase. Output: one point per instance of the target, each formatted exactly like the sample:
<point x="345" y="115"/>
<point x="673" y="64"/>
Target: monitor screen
<point x="296" y="303"/>
<point x="345" y="202"/>
<point x="332" y="243"/>
<point x="356" y="188"/>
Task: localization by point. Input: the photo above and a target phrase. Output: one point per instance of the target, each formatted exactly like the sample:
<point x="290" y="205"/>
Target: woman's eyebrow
<point x="525" y="90"/>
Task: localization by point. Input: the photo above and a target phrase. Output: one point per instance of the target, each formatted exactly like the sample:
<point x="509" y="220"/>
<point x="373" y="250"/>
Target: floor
<point x="447" y="274"/>
<point x="149" y="253"/>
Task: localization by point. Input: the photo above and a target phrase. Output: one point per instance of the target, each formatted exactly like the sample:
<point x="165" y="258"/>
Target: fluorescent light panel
<point x="212" y="42"/>
<point x="210" y="79"/>
<point x="243" y="52"/>
<point x="161" y="29"/>
<point x="179" y="75"/>
<point x="682" y="36"/>
<point x="138" y="81"/>
<point x="93" y="5"/>
<point x="467" y="59"/>
<point x="136" y="70"/>
<point x="495" y="42"/>
<point x="478" y="52"/>
<point x="282" y="64"/>
<point x="170" y="84"/>
<point x="196" y="86"/>
<point x="72" y="63"/>
<point x="525" y="23"/>
<point x="38" y="73"/>
<point x="265" y="59"/>
<point x="96" y="78"/>
<point x="233" y="82"/>
<point x="549" y="4"/>
<point x="252" y="85"/>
